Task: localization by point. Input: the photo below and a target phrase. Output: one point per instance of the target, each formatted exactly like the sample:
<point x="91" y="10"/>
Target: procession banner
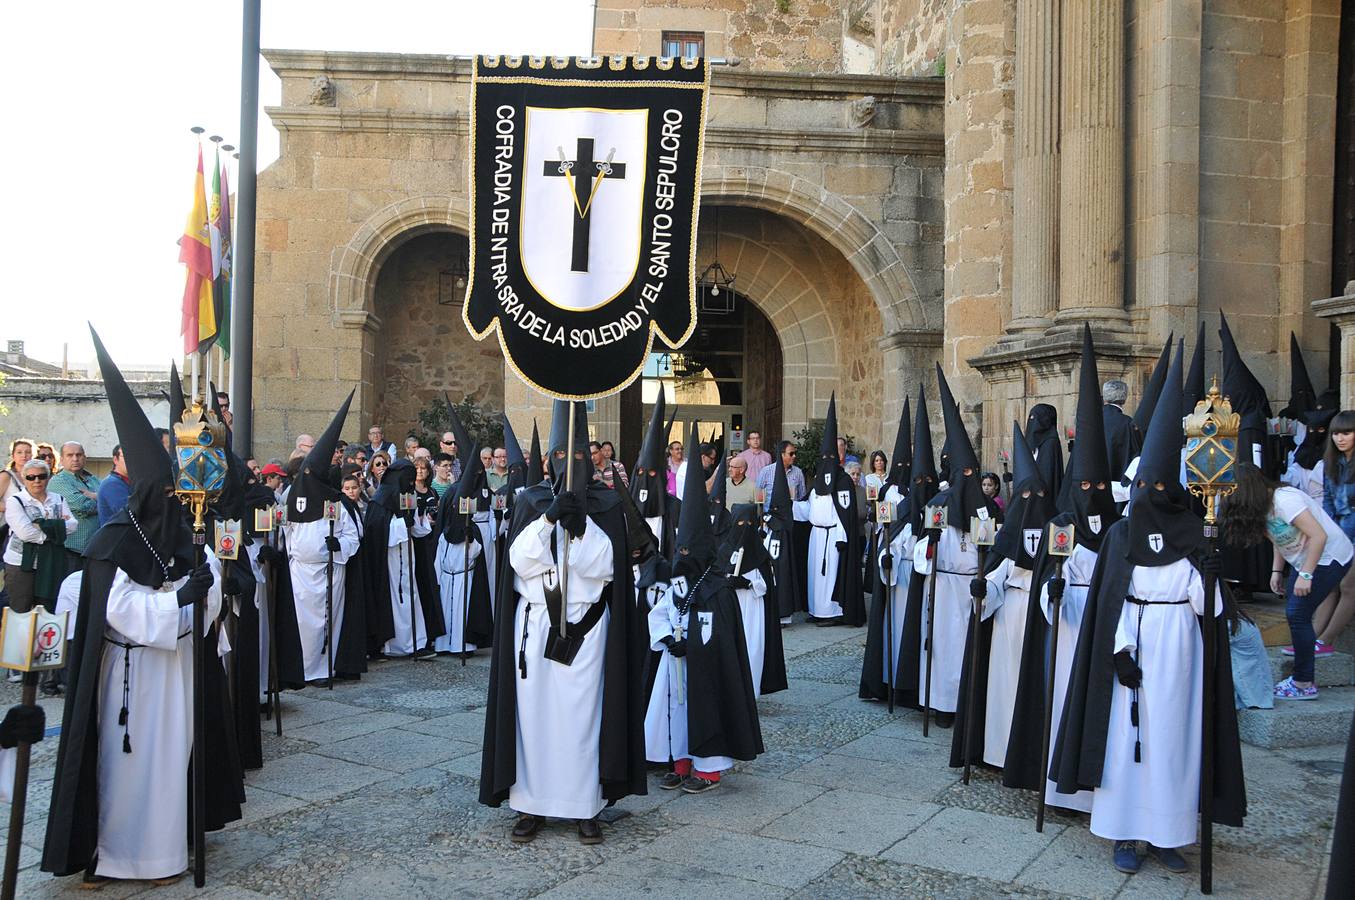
<point x="584" y="203"/>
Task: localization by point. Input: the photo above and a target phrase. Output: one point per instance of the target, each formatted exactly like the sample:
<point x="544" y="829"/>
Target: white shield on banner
<point x="1032" y="540"/>
<point x="582" y="202"/>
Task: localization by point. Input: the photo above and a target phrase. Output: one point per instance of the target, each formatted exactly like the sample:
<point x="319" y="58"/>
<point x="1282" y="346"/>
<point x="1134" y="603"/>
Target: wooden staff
<point x="22" y="754"/>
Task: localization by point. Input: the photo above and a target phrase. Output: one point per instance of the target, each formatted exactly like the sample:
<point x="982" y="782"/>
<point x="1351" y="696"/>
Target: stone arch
<point x="356" y="264"/>
<point x="865" y="247"/>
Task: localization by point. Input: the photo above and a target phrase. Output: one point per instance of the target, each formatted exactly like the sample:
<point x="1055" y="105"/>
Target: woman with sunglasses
<point x="376" y="470"/>
<point x="35" y="559"/>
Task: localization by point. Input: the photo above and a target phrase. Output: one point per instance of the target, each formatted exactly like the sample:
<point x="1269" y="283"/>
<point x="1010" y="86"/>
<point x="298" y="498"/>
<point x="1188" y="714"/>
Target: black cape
<point x="873" y="685"/>
<point x="909" y="673"/>
<point x="622" y="752"/>
<point x="773" y="648"/>
<point x="721" y="709"/>
<point x="376" y="583"/>
<point x="1122" y="440"/>
<point x="848" y="590"/>
<point x="1079" y="752"/>
<point x="244" y="670"/>
<point x="784" y="592"/>
<point x="350" y="649"/>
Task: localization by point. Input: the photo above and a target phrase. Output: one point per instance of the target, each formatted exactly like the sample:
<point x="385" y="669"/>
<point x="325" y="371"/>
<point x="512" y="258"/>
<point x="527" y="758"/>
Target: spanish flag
<point x="198" y="322"/>
<point x="220" y="210"/>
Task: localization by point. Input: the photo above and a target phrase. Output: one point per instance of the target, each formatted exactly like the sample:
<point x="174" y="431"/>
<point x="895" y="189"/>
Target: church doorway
<point x="727" y="379"/>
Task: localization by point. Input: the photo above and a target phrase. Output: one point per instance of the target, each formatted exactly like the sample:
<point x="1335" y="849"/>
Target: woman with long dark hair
<point x="879" y="471"/>
<point x="1304" y="538"/>
<point x="1338" y="501"/>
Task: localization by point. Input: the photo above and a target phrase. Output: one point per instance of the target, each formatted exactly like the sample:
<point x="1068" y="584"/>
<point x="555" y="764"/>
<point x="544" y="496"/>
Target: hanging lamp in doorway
<point x="716" y="286"/>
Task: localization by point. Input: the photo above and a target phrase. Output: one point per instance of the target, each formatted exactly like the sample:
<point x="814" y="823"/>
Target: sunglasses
<point x="448" y="443"/>
<point x="379" y="463"/>
<point x="38" y="477"/>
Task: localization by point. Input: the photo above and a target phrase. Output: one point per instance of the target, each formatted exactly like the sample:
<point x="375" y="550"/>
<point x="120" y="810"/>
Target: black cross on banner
<point x="585" y="177"/>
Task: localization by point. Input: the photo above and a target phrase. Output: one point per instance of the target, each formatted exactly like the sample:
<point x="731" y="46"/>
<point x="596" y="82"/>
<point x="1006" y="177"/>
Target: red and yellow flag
<point x="198" y="321"/>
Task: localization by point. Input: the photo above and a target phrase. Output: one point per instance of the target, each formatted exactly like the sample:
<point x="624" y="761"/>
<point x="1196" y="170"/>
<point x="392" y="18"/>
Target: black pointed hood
<point x="825" y="470"/>
<point x="1240" y="386"/>
<point x="463" y="440"/>
<point x="717" y="485"/>
<point x="965" y="493"/>
<point x="1195" y="386"/>
<point x="560" y="444"/>
<point x="456" y="524"/>
<point x="649" y="480"/>
<point x="399" y="479"/>
<point x="925" y="482"/>
<point x="535" y="468"/>
<point x="1030" y="509"/>
<point x="1094" y="506"/>
<point x="176" y="399"/>
<point x="780" y="505"/>
<point x="901" y="463"/>
<point x="668" y="426"/>
<point x="1153" y="389"/>
<point x="517" y="463"/>
<point x="1302" y="394"/>
<point x="696" y="543"/>
<point x="1316" y="423"/>
<point x="1163" y="528"/>
<point x="742" y="550"/>
<point x="161" y="546"/>
<point x="311" y="487"/>
<point x="640" y="543"/>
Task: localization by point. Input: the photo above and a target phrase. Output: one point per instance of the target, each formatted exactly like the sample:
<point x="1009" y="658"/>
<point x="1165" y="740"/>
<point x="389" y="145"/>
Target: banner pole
<point x="564" y="559"/>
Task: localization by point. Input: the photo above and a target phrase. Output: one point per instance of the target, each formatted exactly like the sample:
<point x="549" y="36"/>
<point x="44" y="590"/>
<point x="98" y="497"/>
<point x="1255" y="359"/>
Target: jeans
<point x="1299" y="611"/>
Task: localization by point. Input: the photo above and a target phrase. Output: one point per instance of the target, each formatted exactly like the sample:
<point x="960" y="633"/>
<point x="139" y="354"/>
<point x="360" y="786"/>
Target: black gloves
<point x="1007" y="477"/>
<point x="230" y="586"/>
<point x="1211" y="564"/>
<point x="738" y="582"/>
<point x="567" y="510"/>
<point x="1055" y="588"/>
<point x="978" y="588"/>
<point x="887" y="562"/>
<point x="1128" y="671"/>
<point x="676" y="648"/>
<point x="841" y="547"/>
<point x="269" y="554"/>
<point x="22" y="723"/>
<point x="331" y="543"/>
<point x="195" y="589"/>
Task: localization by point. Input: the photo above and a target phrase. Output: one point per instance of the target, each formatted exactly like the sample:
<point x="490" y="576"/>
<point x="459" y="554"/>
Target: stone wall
<point x="805" y="36"/>
<point x="423" y="349"/>
<point x="913" y="36"/>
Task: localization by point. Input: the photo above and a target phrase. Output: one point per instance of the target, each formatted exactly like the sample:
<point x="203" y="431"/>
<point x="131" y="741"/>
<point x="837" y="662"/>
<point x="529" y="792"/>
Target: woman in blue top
<point x="1338" y="501"/>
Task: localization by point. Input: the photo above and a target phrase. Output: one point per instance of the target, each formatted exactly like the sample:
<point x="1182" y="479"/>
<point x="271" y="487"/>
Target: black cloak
<point x="744" y="534"/>
<point x="786" y="590"/>
<point x="722" y="715"/>
<point x="376" y="577"/>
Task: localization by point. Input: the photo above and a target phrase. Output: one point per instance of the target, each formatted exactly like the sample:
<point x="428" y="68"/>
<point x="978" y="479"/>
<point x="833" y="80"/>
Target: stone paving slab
<point x="740" y="803"/>
<point x="973" y="843"/>
<point x="622" y="879"/>
<point x="1075" y="862"/>
<point x="905" y="782"/>
<point x="348" y="726"/>
<point x="300" y="709"/>
<point x="397" y="750"/>
<point x="851" y="821"/>
<point x="761" y="859"/>
<point x="307" y="776"/>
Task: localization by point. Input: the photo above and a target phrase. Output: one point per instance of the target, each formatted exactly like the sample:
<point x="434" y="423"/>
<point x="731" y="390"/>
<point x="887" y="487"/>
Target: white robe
<point x="1006" y="604"/>
<point x="1157" y="800"/>
<point x="823" y="554"/>
<point x="1077" y="577"/>
<point x="308" y="560"/>
<point x="559" y="707"/>
<point x="143" y="795"/>
<point x="411" y="631"/>
<point x="896" y="580"/>
<point x="956" y="564"/>
<point x="489" y="526"/>
<point x="751" y="608"/>
<point x="261" y="604"/>
<point x="666" y="716"/>
<point x="456" y="571"/>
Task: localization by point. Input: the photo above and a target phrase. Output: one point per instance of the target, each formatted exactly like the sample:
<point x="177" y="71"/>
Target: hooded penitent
<point x="1029" y="510"/>
<point x="311" y="487"/>
<point x="719" y="515"/>
<point x="398" y="480"/>
<point x="517" y="463"/>
<point x="463" y="440"/>
<point x="456" y="525"/>
<point x="1316" y="421"/>
<point x="965" y="496"/>
<point x="1086" y="494"/>
<point x="1302" y="394"/>
<point x="1240" y="386"/>
<point x="649" y="481"/>
<point x="696" y="543"/>
<point x="560" y="448"/>
<point x="924" y="479"/>
<point x="1042" y="436"/>
<point x="825" y="471"/>
<point x="1162" y="526"/>
<point x="158" y="545"/>
<point x="1152" y="391"/>
<point x="901" y="463"/>
<point x="535" y="467"/>
<point x="640" y="543"/>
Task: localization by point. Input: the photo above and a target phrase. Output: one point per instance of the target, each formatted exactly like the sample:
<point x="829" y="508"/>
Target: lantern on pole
<point x="1211" y="473"/>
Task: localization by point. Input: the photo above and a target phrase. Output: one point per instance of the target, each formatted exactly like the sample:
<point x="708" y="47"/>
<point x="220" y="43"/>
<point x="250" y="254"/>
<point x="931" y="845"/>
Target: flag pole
<point x="242" y="268"/>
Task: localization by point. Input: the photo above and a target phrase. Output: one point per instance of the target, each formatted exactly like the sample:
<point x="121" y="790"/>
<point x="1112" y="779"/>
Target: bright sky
<point x="96" y="167"/>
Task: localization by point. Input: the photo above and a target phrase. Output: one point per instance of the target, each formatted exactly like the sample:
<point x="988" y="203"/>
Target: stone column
<point x="1092" y="182"/>
<point x="1035" y="188"/>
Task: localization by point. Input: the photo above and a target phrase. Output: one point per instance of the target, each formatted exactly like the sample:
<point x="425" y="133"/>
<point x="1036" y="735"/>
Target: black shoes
<point x="828" y="623"/>
<point x="694" y="784"/>
<point x="425" y="653"/>
<point x="525" y="829"/>
<point x="670" y="782"/>
<point x="590" y="832"/>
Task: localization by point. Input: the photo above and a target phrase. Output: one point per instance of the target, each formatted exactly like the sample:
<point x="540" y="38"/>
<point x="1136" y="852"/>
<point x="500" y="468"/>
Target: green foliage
<point x="783" y="6"/>
<point x="808" y="440"/>
<point x="940" y="71"/>
<point x="483" y="423"/>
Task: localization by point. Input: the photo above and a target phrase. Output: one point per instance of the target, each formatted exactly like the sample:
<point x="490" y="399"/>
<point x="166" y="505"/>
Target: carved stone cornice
<point x="359" y="318"/>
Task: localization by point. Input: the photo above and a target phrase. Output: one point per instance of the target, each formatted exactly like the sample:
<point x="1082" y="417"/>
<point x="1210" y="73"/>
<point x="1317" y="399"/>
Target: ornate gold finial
<point x="1211" y="449"/>
<point x="200" y="449"/>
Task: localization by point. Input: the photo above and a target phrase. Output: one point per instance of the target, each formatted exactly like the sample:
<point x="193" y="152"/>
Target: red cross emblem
<point x="48" y="637"/>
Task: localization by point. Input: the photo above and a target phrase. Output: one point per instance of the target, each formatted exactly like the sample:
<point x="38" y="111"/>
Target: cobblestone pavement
<point x="372" y="793"/>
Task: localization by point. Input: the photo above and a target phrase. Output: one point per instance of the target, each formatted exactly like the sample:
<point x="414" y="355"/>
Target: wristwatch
<point x="1306" y="576"/>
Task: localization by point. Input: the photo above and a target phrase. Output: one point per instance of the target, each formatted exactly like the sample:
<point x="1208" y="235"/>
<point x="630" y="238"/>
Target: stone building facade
<point x="895" y="182"/>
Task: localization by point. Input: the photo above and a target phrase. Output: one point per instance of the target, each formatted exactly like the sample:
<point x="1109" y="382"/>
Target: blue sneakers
<point x="1127" y="857"/>
<point x="1169" y="858"/>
